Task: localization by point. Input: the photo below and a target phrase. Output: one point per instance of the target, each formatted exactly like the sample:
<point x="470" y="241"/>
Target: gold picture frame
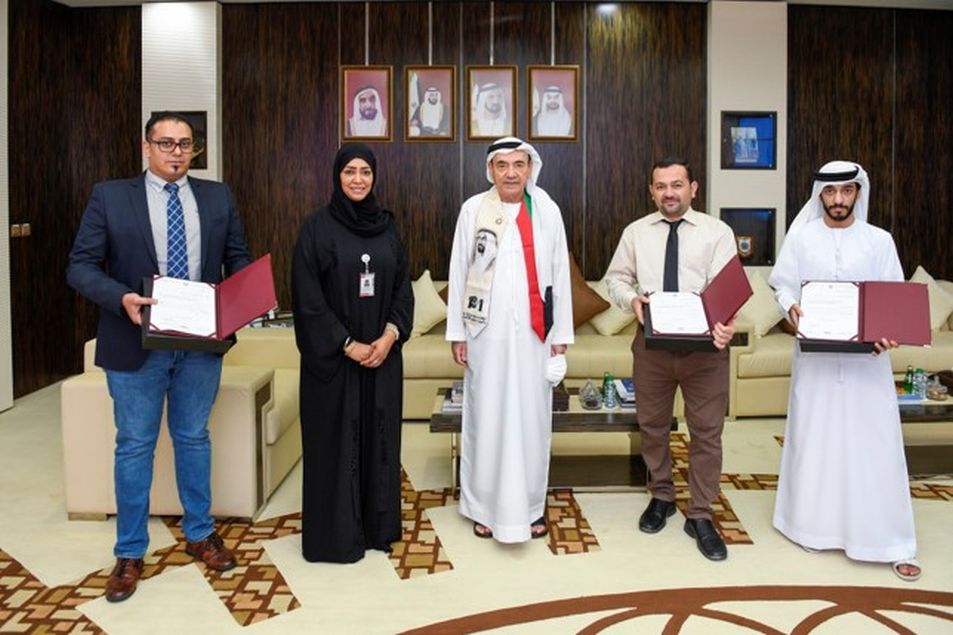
<point x="491" y="102"/>
<point x="367" y="103"/>
<point x="431" y="104"/>
<point x="552" y="105"/>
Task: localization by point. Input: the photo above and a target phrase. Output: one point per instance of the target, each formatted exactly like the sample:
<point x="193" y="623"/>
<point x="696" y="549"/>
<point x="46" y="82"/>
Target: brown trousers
<point x="703" y="377"/>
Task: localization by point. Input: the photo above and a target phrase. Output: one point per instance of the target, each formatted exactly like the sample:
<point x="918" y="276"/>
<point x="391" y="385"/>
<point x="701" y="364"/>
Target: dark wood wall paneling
<point x="923" y="181"/>
<point x="74" y="82"/>
<point x="279" y="99"/>
<point x="646" y="99"/>
<point x="875" y="89"/>
<point x="642" y="77"/>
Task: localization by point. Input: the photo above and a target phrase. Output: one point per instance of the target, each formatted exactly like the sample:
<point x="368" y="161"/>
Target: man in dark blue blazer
<point x="161" y="222"/>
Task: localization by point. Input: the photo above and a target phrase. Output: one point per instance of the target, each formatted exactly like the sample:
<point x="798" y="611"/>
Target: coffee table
<point x="934" y="458"/>
<point x="577" y="471"/>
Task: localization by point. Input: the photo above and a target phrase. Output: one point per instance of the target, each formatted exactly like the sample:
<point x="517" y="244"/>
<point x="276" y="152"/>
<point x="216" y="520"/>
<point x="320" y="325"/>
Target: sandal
<point x="909" y="563"/>
<point x="538" y="528"/>
<point x="482" y="531"/>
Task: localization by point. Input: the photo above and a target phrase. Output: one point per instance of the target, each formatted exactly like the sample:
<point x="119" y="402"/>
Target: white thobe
<point x="843" y="479"/>
<point x="507" y="401"/>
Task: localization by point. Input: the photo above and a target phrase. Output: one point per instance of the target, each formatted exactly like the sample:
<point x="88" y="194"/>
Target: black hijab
<point x="366" y="217"/>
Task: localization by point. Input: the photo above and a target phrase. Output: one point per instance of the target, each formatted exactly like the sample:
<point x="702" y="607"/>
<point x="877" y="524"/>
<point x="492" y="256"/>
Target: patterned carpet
<point x="256" y="591"/>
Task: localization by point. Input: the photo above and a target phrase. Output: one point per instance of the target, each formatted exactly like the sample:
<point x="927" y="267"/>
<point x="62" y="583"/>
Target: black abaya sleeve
<point x="402" y="307"/>
<point x="319" y="333"/>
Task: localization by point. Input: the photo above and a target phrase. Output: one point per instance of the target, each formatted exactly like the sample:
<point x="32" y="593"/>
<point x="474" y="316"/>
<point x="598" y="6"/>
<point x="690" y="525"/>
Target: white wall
<point x="747" y="71"/>
<point x="181" y="62"/>
<point x="6" y="344"/>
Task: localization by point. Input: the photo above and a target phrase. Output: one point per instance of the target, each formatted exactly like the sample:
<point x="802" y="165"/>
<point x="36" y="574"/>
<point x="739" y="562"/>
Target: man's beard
<point x="843" y="217"/>
<point x="368" y="113"/>
<point x="432" y="99"/>
<point x="552" y="105"/>
<point x="494" y="108"/>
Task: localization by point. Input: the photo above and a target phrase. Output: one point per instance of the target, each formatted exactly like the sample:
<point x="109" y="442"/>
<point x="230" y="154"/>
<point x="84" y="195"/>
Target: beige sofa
<point x="760" y="370"/>
<point x="429" y="366"/>
<point x="254" y="427"/>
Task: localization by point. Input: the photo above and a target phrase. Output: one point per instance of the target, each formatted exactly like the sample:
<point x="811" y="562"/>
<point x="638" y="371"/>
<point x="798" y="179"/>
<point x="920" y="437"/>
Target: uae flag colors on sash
<point x="525" y="223"/>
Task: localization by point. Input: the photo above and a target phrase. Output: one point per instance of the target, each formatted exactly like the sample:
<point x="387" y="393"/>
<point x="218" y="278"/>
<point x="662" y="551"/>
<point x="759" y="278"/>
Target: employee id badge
<point x="366" y="285"/>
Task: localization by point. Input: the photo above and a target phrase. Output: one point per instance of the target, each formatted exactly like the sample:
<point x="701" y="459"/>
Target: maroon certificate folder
<point x="721" y="299"/>
<point x="726" y="293"/>
<point x="898" y="311"/>
<point x="239" y="299"/>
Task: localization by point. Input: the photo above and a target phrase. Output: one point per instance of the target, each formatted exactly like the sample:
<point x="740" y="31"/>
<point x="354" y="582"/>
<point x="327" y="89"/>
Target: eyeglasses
<point x="187" y="146"/>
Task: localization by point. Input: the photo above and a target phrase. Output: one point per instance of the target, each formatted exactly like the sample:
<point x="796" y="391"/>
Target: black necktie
<point x="670" y="276"/>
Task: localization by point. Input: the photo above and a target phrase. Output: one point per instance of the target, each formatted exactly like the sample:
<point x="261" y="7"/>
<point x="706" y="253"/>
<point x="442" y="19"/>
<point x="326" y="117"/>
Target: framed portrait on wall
<point x="754" y="232"/>
<point x="366" y="103"/>
<point x="553" y="103"/>
<point x="198" y="119"/>
<point x="491" y="102"/>
<point x="749" y="140"/>
<point x="431" y="113"/>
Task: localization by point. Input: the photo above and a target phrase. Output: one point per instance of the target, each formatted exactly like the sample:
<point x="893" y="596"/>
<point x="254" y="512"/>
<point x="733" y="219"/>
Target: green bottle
<point x="908" y="381"/>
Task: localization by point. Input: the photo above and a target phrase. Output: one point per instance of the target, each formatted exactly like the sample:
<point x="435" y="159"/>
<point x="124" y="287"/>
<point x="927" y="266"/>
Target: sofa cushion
<point x="585" y="301"/>
<point x="286" y="409"/>
<point x="429" y="307"/>
<point x="771" y="356"/>
<point x="947" y="286"/>
<point x="428" y="356"/>
<point x="593" y="355"/>
<point x="761" y="309"/>
<point x="941" y="302"/>
<point x="264" y="348"/>
<point x="613" y="319"/>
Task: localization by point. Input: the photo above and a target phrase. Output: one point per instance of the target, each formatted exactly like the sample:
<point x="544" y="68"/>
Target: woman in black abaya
<point x="353" y="310"/>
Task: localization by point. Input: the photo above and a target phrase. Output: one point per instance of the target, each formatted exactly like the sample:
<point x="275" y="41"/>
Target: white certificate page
<point x="183" y="306"/>
<point x="831" y="311"/>
<point x="678" y="313"/>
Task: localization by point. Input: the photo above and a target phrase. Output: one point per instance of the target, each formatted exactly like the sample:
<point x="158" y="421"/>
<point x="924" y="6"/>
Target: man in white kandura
<point x="509" y="326"/>
<point x="843" y="480"/>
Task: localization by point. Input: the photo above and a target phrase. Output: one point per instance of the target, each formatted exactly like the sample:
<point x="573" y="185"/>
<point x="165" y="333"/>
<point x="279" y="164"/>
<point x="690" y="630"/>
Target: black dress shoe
<point x="706" y="537"/>
<point x="653" y="518"/>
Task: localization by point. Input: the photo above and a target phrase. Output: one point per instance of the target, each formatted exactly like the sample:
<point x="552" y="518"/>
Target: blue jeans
<point x="190" y="381"/>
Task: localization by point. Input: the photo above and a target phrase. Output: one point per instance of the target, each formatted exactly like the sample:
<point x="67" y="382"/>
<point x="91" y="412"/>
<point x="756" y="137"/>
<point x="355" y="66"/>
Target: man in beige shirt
<point x="676" y="249"/>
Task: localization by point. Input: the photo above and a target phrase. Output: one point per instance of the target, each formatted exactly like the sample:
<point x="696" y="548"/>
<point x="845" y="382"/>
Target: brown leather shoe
<point x="122" y="581"/>
<point x="213" y="552"/>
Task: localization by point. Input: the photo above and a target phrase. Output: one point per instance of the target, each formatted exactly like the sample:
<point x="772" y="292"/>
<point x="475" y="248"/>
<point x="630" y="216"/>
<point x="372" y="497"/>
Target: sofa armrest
<point x="236" y="428"/>
<point x="743" y="342"/>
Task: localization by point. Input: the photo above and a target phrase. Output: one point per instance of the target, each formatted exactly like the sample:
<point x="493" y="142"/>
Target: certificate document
<point x="183" y="307"/>
<point x="678" y="313"/>
<point x="831" y="311"/>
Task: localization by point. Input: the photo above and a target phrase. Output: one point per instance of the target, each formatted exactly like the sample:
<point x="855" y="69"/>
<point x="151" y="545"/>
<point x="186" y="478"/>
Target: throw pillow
<point x="941" y="302"/>
<point x="429" y="309"/>
<point x="613" y="319"/>
<point x="585" y="302"/>
<point x="761" y="309"/>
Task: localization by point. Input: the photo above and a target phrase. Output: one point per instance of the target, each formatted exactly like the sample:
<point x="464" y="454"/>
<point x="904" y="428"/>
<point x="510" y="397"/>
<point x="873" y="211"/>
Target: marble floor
<point x="595" y="573"/>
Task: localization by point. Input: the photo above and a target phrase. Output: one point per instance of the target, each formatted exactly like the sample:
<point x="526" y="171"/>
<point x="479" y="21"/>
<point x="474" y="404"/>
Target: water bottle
<point x="609" y="399"/>
<point x="920" y="384"/>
